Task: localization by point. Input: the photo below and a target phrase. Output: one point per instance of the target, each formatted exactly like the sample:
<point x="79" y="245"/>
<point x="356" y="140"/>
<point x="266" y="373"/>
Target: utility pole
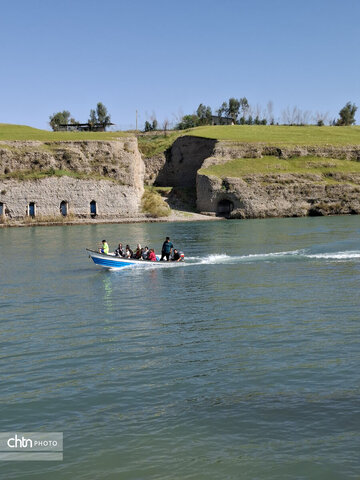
<point x="136" y="120"/>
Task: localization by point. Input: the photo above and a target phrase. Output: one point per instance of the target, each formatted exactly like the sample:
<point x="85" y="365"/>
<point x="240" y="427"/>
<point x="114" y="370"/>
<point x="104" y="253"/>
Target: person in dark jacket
<point x="177" y="256"/>
<point x="166" y="249"/>
<point x="119" y="252"/>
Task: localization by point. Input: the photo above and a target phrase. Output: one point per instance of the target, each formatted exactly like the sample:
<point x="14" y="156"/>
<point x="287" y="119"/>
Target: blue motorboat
<point x="112" y="261"/>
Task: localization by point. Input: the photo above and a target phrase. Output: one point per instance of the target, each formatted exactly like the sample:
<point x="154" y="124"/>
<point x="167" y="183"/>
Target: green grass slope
<point x="281" y="135"/>
<point x="10" y="132"/>
<point x="309" y="165"/>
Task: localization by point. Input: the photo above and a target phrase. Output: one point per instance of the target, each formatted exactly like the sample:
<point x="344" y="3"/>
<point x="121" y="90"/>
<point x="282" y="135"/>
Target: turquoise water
<point x="241" y="364"/>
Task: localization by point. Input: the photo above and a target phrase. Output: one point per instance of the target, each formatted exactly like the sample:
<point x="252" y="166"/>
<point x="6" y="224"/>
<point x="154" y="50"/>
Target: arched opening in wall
<point x="64" y="208"/>
<point x="224" y="208"/>
<point x="2" y="210"/>
<point x="93" y="208"/>
<point x="32" y="209"/>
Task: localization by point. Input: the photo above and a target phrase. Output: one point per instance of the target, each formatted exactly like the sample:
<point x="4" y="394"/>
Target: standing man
<point x="166" y="249"/>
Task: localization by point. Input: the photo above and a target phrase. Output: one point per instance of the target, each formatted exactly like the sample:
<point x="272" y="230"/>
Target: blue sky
<point x="166" y="57"/>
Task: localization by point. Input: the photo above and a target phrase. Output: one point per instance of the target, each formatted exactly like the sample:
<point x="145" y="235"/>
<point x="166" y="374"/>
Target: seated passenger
<point x="145" y="253"/>
<point x="104" y="248"/>
<point x="138" y="251"/>
<point x="128" y="252"/>
<point x="152" y="256"/>
<point x="119" y="252"/>
<point x="177" y="256"/>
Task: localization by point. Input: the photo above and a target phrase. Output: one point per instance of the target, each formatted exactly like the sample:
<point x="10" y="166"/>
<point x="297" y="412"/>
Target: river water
<point x="242" y="363"/>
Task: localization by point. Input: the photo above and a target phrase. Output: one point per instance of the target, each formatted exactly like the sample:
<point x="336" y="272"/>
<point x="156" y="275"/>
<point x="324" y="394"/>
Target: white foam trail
<point x="295" y="254"/>
<point x="336" y="255"/>
<point x="224" y="258"/>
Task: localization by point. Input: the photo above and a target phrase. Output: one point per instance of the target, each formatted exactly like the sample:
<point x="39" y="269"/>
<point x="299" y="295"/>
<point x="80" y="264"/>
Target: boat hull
<point x="111" y="261"/>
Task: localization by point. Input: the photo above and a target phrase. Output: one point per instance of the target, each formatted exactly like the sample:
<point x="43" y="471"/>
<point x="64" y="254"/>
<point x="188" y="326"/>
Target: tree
<point x="188" y="121"/>
<point x="244" y="106"/>
<point x="233" y="108"/>
<point x="93" y="118"/>
<point x="147" y="127"/>
<point x="347" y="114"/>
<point x="270" y="112"/>
<point x="102" y="114"/>
<point x="99" y="116"/>
<point x="204" y="114"/>
<point x="165" y="125"/>
<point x="223" y="109"/>
<point x="59" y="118"/>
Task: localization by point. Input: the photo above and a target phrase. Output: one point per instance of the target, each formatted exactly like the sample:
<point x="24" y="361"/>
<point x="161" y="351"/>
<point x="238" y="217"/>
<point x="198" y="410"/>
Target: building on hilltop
<point x="84" y="127"/>
<point x="216" y="120"/>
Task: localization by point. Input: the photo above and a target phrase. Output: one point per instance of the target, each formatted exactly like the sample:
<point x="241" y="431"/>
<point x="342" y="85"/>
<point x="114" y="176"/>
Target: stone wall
<point x="257" y="196"/>
<point x="286" y="195"/>
<point x="48" y="193"/>
<point x="118" y="162"/>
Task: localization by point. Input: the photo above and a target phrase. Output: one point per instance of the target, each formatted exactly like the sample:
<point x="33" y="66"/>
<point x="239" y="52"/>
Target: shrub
<point x="154" y="205"/>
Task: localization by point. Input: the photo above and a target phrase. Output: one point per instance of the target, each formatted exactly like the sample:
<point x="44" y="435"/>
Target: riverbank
<point x="175" y="216"/>
<point x="233" y="171"/>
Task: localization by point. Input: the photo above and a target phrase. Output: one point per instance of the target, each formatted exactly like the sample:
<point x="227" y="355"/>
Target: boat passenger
<point x="145" y="253"/>
<point x="166" y="249"/>
<point x="104" y="248"/>
<point x="119" y="252"/>
<point x="178" y="256"/>
<point x="138" y="251"/>
<point x="152" y="256"/>
<point x="128" y="252"/>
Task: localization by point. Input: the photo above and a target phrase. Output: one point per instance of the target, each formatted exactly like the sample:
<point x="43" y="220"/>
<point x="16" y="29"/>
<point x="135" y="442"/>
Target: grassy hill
<point x="281" y="135"/>
<point x="152" y="144"/>
<point x="326" y="167"/>
<point x="11" y="132"/>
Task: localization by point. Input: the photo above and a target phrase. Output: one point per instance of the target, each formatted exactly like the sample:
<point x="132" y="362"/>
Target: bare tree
<point x="295" y="116"/>
<point x="321" y="118"/>
<point x="178" y="116"/>
<point x="270" y="112"/>
<point x="165" y="126"/>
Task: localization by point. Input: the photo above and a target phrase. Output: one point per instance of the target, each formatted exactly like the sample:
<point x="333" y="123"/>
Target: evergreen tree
<point x="99" y="116"/>
<point x="347" y="114"/>
<point x="233" y="108"/>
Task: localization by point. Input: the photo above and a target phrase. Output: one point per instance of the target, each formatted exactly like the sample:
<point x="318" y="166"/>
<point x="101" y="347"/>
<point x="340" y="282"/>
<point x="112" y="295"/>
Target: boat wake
<point x="223" y="258"/>
<point x="295" y="255"/>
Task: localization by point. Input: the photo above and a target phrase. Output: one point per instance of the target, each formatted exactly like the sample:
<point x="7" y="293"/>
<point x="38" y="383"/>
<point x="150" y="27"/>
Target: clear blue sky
<point x="167" y="57"/>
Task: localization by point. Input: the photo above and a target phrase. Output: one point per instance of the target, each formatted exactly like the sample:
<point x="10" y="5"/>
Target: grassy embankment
<point x="281" y="135"/>
<point x="310" y="165"/>
<point x="153" y="144"/>
<point x="10" y="132"/>
<point x="24" y="133"/>
<point x="284" y="136"/>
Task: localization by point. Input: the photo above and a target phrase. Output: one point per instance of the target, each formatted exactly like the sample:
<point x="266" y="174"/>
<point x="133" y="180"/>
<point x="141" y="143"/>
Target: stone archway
<point x="93" y="210"/>
<point x="224" y="208"/>
<point x="64" y="208"/>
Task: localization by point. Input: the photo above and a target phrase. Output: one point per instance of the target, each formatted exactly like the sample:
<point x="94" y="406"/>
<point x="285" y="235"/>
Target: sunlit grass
<point x="9" y="132"/>
<point x="273" y="165"/>
<point x="281" y="135"/>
